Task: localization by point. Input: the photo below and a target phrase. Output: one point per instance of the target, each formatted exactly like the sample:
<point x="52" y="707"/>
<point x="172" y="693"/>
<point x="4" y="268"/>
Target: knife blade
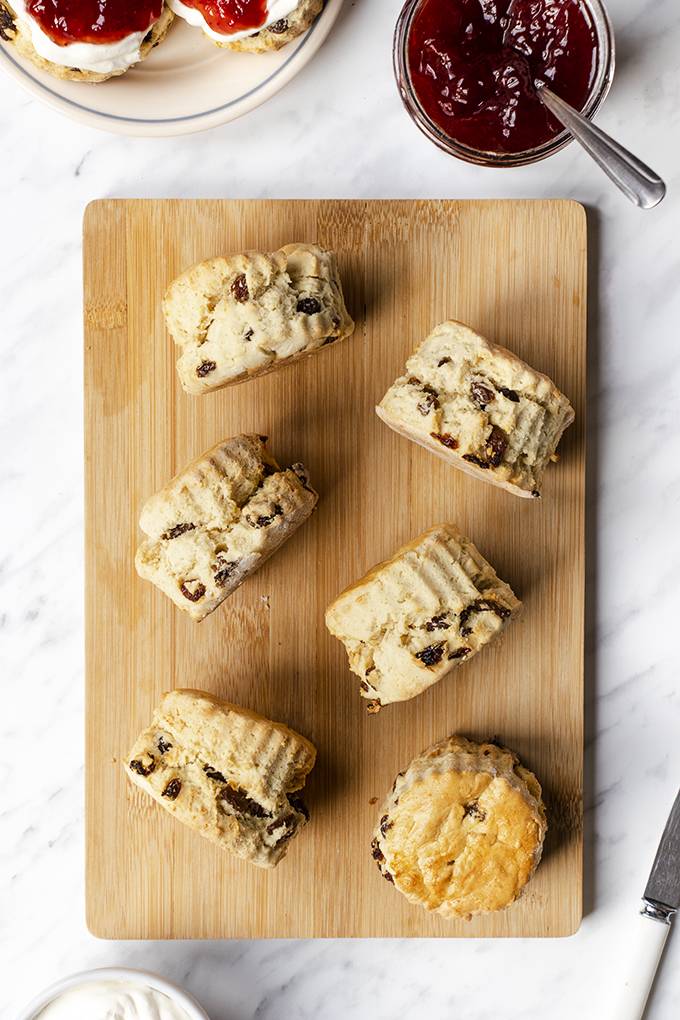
<point x="663" y="887"/>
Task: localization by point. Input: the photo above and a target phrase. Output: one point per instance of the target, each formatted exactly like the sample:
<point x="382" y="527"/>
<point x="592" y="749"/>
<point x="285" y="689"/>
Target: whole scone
<point x="238" y="316"/>
<point x="17" y="30"/>
<point x="218" y="521"/>
<point x="281" y="32"/>
<point x="462" y="831"/>
<point x="414" y="618"/>
<point x="226" y="772"/>
<point x="480" y="408"/>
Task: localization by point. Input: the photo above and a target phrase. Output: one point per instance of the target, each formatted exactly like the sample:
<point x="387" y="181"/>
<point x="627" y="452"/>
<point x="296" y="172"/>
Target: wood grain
<point x="516" y="271"/>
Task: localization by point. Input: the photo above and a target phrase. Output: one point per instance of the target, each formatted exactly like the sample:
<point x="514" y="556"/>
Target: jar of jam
<point x="468" y="70"/>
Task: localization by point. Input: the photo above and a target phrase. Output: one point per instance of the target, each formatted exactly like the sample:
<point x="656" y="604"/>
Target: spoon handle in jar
<point x="638" y="183"/>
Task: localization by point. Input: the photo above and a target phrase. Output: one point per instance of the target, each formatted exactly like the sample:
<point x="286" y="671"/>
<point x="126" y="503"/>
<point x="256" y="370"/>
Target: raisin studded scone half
<point x="417" y="616"/>
<point x="462" y="831"/>
<point x="218" y="521"/>
<point x="281" y="32"/>
<point x="15" y="30"/>
<point x="480" y="408"/>
<point x="226" y="772"/>
<point x="239" y="316"/>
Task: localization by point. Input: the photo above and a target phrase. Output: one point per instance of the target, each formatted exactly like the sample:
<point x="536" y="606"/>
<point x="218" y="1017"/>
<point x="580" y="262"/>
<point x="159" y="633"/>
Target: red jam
<point x="229" y="16"/>
<point x="473" y="64"/>
<point x="93" y="21"/>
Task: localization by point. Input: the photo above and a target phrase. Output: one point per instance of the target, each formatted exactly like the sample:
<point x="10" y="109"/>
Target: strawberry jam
<point x="93" y="21"/>
<point x="473" y="65"/>
<point x="230" y="16"/>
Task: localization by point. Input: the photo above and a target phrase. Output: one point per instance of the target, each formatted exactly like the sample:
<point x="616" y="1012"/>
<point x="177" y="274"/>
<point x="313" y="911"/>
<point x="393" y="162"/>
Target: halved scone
<point x="414" y="618"/>
<point x="76" y="54"/>
<point x="239" y="316"/>
<point x="249" y="25"/>
<point x="218" y="520"/>
<point x="479" y="407"/>
<point x="226" y="772"/>
<point x="462" y="831"/>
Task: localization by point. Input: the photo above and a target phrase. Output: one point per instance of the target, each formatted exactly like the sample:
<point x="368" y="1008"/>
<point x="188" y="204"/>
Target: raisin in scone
<point x="462" y="831"/>
<point x="239" y="316"/>
<point x="230" y="774"/>
<point x="417" y="616"/>
<point x="88" y="61"/>
<point x="218" y="520"/>
<point x="479" y="407"/>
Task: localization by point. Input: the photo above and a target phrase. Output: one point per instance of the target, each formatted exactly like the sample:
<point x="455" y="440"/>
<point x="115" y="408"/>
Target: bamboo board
<point x="516" y="271"/>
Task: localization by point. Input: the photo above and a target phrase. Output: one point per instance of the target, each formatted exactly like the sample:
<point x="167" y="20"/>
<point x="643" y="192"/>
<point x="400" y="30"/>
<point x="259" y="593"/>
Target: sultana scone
<point x="81" y="61"/>
<point x="227" y="772"/>
<point x="462" y="831"/>
<point x="480" y="408"/>
<point x="415" y="617"/>
<point x="218" y="520"/>
<point x="282" y="31"/>
<point x="239" y="316"/>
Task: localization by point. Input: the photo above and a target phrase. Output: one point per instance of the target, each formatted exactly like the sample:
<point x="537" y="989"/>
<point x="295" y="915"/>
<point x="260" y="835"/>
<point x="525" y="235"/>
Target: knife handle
<point x="647" y="939"/>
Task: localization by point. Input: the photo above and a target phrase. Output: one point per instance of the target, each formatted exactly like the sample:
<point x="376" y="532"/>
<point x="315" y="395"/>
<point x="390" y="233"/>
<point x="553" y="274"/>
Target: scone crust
<point x="461" y="833"/>
<point x="13" y="30"/>
<point x="239" y="316"/>
<point x="439" y="403"/>
<point x="296" y="23"/>
<point x="414" y="618"/>
<point x="227" y="772"/>
<point x="218" y="520"/>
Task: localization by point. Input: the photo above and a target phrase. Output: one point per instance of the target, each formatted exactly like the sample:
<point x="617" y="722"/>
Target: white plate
<point x="186" y="84"/>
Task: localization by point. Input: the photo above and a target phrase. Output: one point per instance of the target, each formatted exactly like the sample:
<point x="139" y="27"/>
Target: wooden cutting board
<point x="516" y="271"/>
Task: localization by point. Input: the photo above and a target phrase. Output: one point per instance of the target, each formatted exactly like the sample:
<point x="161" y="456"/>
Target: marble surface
<point x="339" y="131"/>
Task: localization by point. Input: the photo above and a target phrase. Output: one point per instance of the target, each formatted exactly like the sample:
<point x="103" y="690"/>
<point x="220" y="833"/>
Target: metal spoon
<point x="638" y="183"/>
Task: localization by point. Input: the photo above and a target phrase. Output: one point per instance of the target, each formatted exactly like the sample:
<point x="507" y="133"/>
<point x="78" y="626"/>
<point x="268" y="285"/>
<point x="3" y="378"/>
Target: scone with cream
<point x="226" y="772"/>
<point x="417" y="616"/>
<point x="462" y="831"/>
<point x="238" y="316"/>
<point x="88" y="41"/>
<point x="218" y="520"/>
<point x="479" y="407"/>
<point x="249" y="25"/>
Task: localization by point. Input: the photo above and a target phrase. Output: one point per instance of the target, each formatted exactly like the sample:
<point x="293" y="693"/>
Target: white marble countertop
<point x="339" y="131"/>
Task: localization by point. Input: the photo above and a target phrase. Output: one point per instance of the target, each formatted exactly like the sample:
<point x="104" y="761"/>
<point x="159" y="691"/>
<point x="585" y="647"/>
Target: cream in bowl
<point x="114" y="994"/>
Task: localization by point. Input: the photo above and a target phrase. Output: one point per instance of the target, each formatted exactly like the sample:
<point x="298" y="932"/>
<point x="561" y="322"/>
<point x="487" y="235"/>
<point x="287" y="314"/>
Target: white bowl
<point x="186" y="84"/>
<point x="143" y="977"/>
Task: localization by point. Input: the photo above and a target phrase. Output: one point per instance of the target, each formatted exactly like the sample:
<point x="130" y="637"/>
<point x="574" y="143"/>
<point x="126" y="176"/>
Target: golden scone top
<point x="462" y="831"/>
<point x="479" y="407"/>
<point x="414" y="618"/>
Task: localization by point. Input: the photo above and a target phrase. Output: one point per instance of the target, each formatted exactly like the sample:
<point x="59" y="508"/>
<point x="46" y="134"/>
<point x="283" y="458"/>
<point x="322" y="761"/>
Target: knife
<point x="660" y="902"/>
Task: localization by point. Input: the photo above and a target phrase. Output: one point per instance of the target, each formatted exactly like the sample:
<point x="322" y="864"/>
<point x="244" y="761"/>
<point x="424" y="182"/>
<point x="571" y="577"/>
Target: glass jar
<point x="600" y="87"/>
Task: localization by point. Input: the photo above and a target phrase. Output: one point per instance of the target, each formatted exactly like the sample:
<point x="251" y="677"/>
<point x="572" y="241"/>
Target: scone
<point x="249" y="25"/>
<point x="218" y="520"/>
<point x="230" y="774"/>
<point x="480" y="408"/>
<point x="283" y="30"/>
<point x="85" y="42"/>
<point x="238" y="316"/>
<point x="415" y="617"/>
<point x="462" y="831"/>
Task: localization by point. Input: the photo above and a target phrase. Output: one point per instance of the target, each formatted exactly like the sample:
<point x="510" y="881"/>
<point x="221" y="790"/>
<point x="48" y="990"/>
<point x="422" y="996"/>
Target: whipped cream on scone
<point x="275" y="11"/>
<point x="106" y="57"/>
